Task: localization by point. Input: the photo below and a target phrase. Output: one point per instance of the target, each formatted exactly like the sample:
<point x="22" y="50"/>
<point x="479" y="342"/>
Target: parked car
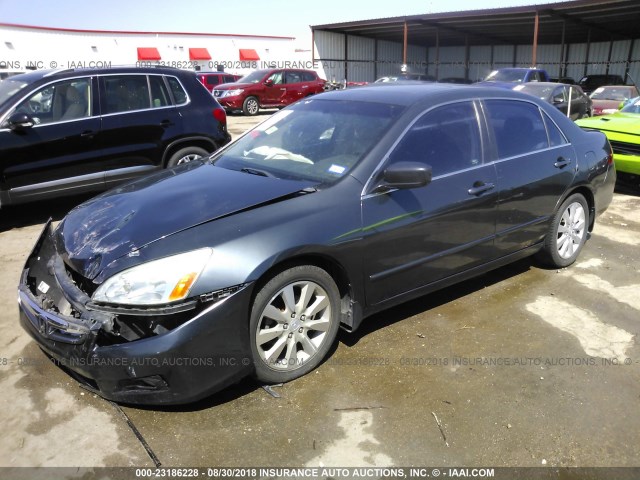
<point x="458" y="80"/>
<point x="567" y="80"/>
<point x="212" y="79"/>
<point x="271" y="88"/>
<point x="507" y="77"/>
<point x="81" y="130"/>
<point x="589" y="83"/>
<point x="607" y="99"/>
<point x="4" y="74"/>
<point x="569" y="99"/>
<point x="623" y="131"/>
<point x="417" y="77"/>
<point x="331" y="210"/>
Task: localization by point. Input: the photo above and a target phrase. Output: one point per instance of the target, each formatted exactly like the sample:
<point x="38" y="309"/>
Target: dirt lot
<point x="521" y="367"/>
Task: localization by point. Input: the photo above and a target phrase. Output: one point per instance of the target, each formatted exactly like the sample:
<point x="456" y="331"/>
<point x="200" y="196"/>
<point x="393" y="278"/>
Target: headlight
<point x="161" y="281"/>
<point x="231" y="93"/>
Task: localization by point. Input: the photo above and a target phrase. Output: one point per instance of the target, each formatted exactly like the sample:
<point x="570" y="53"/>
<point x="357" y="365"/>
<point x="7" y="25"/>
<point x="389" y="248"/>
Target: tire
<point x="250" y="106"/>
<point x="294" y="322"/>
<point x="567" y="233"/>
<point x="185" y="155"/>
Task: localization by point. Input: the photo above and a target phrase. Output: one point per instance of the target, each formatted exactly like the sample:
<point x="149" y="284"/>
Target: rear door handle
<point x="480" y="187"/>
<point x="166" y="123"/>
<point x="88" y="134"/>
<point x="562" y="162"/>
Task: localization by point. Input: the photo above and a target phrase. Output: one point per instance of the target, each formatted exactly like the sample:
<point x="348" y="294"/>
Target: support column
<point x="534" y="57"/>
<point x="404" y="44"/>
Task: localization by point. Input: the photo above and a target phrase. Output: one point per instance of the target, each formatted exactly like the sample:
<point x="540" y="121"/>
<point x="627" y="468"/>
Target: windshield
<point x="316" y="140"/>
<point x="541" y="91"/>
<point x="506" y="76"/>
<point x="253" y="77"/>
<point x="611" y="93"/>
<point x="9" y="87"/>
<point x="633" y="106"/>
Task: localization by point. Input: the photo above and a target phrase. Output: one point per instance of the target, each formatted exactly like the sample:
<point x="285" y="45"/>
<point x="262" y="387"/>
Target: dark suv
<point x="81" y="130"/>
<point x="269" y="88"/>
<point x="590" y="83"/>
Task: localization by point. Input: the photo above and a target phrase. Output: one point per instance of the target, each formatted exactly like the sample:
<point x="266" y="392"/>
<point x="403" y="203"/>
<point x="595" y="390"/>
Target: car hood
<point x="233" y="86"/>
<point x="125" y="219"/>
<point x="617" y="122"/>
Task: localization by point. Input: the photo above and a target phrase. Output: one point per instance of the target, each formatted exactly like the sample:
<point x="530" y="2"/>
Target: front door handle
<point x="88" y="134"/>
<point x="562" y="162"/>
<point x="480" y="187"/>
<point x="166" y="123"/>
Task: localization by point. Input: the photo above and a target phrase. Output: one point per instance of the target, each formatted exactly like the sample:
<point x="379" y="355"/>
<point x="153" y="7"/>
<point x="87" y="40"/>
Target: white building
<point x="24" y="47"/>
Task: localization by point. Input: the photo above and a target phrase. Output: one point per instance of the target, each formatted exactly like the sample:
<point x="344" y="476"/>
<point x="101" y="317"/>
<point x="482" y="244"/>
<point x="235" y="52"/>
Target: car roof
<point x="37" y="75"/>
<point x="410" y="93"/>
<point x="517" y="69"/>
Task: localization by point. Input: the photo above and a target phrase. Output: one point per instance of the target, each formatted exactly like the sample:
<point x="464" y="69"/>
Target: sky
<point x="285" y="18"/>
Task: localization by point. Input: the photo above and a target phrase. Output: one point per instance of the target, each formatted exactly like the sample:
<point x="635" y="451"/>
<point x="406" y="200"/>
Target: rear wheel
<point x="567" y="233"/>
<point x="250" y="106"/>
<point x="294" y="322"/>
<point x="185" y="155"/>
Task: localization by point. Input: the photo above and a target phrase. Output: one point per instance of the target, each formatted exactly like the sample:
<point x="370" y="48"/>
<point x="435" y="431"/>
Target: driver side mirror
<point x="404" y="176"/>
<point x="269" y="83"/>
<point x="20" y="121"/>
<point x="558" y="99"/>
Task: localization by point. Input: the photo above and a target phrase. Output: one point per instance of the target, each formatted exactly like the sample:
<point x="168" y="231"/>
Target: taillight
<point x="610" y="156"/>
<point x="220" y="115"/>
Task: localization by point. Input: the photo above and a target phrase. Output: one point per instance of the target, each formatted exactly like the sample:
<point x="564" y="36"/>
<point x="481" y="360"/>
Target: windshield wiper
<point x="255" y="171"/>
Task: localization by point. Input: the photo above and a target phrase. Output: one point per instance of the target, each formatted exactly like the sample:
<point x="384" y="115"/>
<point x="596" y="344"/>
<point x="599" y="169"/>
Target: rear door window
<point x="517" y="126"/>
<point x="293" y="77"/>
<point x="125" y="93"/>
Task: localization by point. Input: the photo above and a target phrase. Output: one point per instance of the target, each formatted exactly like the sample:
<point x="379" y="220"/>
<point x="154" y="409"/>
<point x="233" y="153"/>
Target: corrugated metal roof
<point x="581" y="21"/>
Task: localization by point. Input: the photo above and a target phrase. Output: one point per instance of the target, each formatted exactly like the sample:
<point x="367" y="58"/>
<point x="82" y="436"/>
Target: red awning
<point x="148" y="53"/>
<point x="199" y="54"/>
<point x="248" y="54"/>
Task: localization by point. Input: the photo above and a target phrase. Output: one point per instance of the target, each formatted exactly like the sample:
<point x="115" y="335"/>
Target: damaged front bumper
<point x="171" y="355"/>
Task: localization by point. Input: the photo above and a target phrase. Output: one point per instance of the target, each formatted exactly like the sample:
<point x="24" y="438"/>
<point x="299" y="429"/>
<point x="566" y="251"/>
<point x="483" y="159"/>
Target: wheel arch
<point x="350" y="317"/>
<point x="201" y="142"/>
<point x="589" y="197"/>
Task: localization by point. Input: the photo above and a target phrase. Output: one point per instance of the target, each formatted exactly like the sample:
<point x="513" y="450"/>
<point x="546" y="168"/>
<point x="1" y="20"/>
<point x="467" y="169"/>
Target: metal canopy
<point x="578" y="21"/>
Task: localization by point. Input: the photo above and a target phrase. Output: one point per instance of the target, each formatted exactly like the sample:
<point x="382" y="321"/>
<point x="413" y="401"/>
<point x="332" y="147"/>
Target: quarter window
<point x="518" y="127"/>
<point x="447" y="139"/>
<point x="179" y="95"/>
<point x="556" y="137"/>
<point x="159" y="93"/>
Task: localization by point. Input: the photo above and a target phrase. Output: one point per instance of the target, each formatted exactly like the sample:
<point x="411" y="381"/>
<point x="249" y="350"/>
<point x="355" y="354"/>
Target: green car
<point x="623" y="131"/>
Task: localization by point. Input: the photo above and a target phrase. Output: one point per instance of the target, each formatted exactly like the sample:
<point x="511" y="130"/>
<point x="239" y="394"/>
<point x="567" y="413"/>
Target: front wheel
<point x="567" y="233"/>
<point x="185" y="155"/>
<point x="294" y="322"/>
<point x="250" y="106"/>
